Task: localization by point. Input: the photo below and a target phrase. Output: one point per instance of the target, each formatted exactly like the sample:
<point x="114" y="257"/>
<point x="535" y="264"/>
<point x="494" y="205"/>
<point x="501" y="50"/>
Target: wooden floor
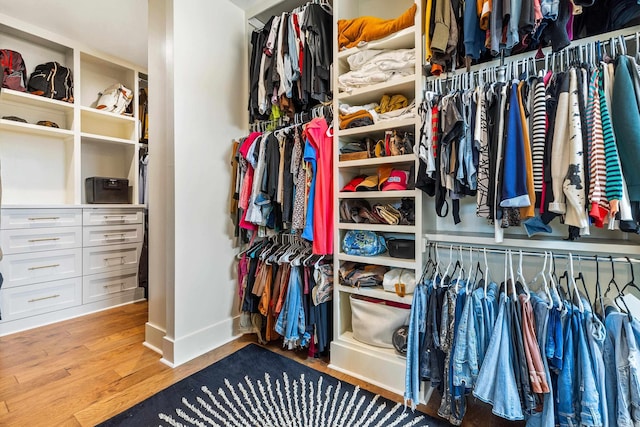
<point x="85" y="370"/>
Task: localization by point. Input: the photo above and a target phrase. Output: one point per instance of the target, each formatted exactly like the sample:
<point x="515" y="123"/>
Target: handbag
<point x="374" y="321"/>
<point x="363" y="243"/>
<point x="400" y="281"/>
<point x="115" y="99"/>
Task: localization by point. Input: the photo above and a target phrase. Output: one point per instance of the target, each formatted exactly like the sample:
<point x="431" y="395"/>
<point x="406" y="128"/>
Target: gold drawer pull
<point x="110" y="236"/>
<point x="49" y="239"/>
<point x="43" y="298"/>
<point x="44" y="218"/>
<point x="121" y="258"/>
<point x="44" y="266"/>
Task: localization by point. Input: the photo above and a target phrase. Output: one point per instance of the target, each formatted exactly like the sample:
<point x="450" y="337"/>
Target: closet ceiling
<point x="116" y="27"/>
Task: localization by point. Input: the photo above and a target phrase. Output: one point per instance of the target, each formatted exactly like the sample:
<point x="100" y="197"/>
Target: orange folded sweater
<point x="352" y="32"/>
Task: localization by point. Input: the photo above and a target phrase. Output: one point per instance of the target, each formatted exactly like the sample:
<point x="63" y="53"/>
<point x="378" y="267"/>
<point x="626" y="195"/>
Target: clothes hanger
<point x="486" y="269"/>
<point x="615" y="300"/>
<point x="520" y="277"/>
<point x="437" y="267"/>
<point x="514" y="291"/>
<point x="572" y="280"/>
<point x="599" y="295"/>
<point x="541" y="276"/>
<point x="446" y="271"/>
<point x="632" y="283"/>
<point x="580" y="277"/>
<point x="554" y="286"/>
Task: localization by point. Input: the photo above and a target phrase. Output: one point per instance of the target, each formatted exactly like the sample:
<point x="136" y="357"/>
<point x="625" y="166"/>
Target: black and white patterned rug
<point x="256" y="387"/>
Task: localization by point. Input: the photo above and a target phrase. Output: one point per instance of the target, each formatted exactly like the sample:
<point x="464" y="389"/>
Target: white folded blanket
<point x="374" y="66"/>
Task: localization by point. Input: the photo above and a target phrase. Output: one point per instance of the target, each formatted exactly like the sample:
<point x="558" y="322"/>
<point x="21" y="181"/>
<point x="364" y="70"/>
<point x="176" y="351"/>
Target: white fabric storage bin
<point x="373" y="321"/>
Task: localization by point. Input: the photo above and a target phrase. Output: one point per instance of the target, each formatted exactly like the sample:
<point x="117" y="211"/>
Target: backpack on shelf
<point x="115" y="99"/>
<point x="52" y="80"/>
<point x="14" y="72"/>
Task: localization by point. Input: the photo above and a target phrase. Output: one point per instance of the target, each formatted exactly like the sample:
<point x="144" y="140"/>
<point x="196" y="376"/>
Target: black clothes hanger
<point x="580" y="278"/>
<point x="599" y="295"/>
<point x="614" y="283"/>
<point x="632" y="283"/>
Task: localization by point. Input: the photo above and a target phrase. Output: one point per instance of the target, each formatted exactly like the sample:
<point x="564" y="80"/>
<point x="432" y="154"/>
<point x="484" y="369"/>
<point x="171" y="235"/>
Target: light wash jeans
<point x="497" y="381"/>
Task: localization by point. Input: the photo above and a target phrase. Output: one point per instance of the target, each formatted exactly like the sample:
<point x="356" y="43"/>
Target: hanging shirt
<point x="317" y="132"/>
<point x="310" y="158"/>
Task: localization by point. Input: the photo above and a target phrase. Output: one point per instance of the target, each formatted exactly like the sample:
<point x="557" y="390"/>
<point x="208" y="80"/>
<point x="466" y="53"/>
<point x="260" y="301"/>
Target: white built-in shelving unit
<point x="62" y="256"/>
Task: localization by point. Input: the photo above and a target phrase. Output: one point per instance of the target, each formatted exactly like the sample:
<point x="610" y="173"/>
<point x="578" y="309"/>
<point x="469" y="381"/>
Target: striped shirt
<point x="538" y="133"/>
<point x="597" y="162"/>
<point x="613" y="186"/>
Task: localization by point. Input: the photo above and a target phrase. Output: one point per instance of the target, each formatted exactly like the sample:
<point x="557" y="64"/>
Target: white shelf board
<point x="376" y="194"/>
<point x="376" y="292"/>
<point x="106" y="116"/>
<point x="89" y="137"/>
<point x="25" y="98"/>
<point x="403" y="85"/>
<point x="382" y="367"/>
<point x="31" y="129"/>
<point x="380" y="126"/>
<point x="599" y="246"/>
<point x="385" y="260"/>
<point x="403" y="39"/>
<point x="374" y="161"/>
<point x="385" y="228"/>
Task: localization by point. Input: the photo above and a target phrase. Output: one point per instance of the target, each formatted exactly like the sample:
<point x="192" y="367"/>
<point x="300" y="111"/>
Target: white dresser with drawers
<point x="63" y="262"/>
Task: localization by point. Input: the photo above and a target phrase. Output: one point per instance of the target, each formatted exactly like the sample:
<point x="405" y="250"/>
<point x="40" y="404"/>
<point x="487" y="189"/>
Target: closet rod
<point x="482" y="249"/>
<point x="605" y="39"/>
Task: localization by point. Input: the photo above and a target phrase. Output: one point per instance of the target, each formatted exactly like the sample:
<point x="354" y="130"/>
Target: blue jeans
<point x="416" y="335"/>
<point x="567" y="378"/>
<point x="465" y="355"/>
<point x="596" y="334"/>
<point x="620" y="354"/>
<point x="588" y="392"/>
<point x="497" y="381"/>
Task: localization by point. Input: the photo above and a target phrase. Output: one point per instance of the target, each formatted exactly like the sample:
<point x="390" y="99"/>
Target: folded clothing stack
<point x="361" y="275"/>
<point x="372" y="66"/>
<point x="390" y="107"/>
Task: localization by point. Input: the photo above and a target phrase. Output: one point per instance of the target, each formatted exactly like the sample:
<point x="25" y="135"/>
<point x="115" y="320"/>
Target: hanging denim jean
<point x="620" y="353"/>
<point x="465" y="355"/>
<point x="416" y="332"/>
<point x="496" y="383"/>
<point x="596" y="334"/>
<point x="555" y="340"/>
<point x="458" y="400"/>
<point x="589" y="398"/>
<point x="567" y="378"/>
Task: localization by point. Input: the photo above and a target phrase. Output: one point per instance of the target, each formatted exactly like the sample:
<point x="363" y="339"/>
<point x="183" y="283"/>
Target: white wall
<point x="204" y="53"/>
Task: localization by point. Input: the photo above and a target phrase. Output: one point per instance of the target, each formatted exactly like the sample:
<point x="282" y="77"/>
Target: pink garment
<point x="247" y="183"/>
<point x="318" y="136"/>
<point x="537" y="11"/>
<point x="532" y="351"/>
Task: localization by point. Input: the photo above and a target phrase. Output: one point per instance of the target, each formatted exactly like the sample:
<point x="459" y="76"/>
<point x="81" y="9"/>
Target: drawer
<point x="41" y="298"/>
<point x="102" y="216"/>
<point x="40" y="239"/>
<point x="36" y="218"/>
<point x="105" y="285"/>
<point x="46" y="266"/>
<point x="111" y="234"/>
<point x="110" y="258"/>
